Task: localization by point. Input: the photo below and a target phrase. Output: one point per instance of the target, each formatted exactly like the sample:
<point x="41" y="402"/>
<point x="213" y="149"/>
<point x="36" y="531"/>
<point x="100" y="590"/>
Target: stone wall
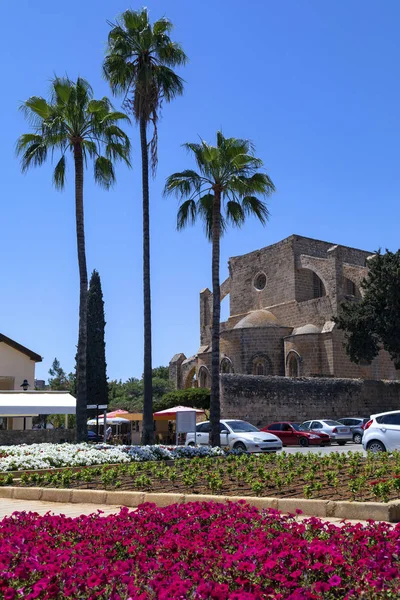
<point x="262" y="400"/>
<point x="36" y="436"/>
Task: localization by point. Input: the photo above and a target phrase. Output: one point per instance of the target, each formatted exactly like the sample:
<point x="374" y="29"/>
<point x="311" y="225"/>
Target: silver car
<point x="336" y="431"/>
<point x="238" y="435"/>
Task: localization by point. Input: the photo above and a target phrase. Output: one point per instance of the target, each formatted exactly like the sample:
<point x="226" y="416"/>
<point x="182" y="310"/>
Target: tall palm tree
<point x="71" y="121"/>
<point x="223" y="191"/>
<point x="139" y="65"/>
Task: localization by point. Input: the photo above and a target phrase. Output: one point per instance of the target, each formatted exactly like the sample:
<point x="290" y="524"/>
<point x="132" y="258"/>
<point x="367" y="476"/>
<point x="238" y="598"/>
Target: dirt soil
<point x="251" y="477"/>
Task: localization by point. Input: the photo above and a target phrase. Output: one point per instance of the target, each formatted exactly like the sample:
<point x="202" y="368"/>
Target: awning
<point x="36" y="403"/>
<point x="170" y="413"/>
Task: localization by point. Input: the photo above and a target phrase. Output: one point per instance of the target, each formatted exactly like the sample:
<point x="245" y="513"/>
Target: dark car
<point x="293" y="434"/>
<point x="93" y="437"/>
<point x="356" y="425"/>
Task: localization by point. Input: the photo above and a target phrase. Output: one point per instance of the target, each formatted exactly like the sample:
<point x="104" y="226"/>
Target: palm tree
<point x="73" y="122"/>
<point x="223" y="191"/>
<point x="139" y="65"/>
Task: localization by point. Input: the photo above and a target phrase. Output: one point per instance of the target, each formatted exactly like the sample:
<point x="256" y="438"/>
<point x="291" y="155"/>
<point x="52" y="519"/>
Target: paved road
<point x="350" y="447"/>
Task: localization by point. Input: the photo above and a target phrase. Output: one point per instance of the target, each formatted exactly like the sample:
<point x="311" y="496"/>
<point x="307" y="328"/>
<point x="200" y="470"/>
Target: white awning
<point x="36" y="403"/>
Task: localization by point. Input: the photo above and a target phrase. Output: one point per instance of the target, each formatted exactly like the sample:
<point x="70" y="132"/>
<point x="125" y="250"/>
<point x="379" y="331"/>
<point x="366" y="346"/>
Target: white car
<point x="238" y="435"/>
<point x="382" y="432"/>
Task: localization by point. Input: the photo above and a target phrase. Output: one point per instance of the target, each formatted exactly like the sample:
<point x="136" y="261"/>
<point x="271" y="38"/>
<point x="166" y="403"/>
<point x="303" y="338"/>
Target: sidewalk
<point x="8" y="506"/>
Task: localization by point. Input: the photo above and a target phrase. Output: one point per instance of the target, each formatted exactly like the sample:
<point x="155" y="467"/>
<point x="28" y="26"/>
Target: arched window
<point x="308" y="285"/>
<point x="226" y="365"/>
<point x="350" y="288"/>
<point x="204" y="377"/>
<point x="260" y="366"/>
<point x="293" y="365"/>
<point x="318" y="286"/>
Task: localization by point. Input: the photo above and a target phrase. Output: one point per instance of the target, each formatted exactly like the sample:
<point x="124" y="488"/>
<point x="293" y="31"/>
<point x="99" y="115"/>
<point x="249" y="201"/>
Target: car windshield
<point x="332" y="423"/>
<point x="238" y="426"/>
<point x="298" y="427"/>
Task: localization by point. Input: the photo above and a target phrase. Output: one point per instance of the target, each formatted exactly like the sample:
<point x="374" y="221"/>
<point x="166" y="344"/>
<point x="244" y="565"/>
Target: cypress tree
<point x="97" y="387"/>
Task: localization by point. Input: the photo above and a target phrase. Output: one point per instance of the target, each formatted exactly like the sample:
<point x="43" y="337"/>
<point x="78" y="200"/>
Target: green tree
<point x="374" y="321"/>
<point x="73" y="122"/>
<point x="129" y="395"/>
<point x="97" y="388"/>
<point x="58" y="379"/>
<point x="223" y="191"/>
<point x="139" y="64"/>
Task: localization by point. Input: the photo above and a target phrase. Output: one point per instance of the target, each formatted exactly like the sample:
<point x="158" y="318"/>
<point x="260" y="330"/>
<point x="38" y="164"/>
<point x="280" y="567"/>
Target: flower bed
<point x="197" y="551"/>
<point x="330" y="477"/>
<point x="44" y="456"/>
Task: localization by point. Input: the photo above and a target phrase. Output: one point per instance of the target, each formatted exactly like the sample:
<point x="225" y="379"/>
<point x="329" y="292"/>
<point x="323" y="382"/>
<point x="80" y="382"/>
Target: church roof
<point x="258" y="318"/>
<point x="13" y="344"/>
<point x="309" y="328"/>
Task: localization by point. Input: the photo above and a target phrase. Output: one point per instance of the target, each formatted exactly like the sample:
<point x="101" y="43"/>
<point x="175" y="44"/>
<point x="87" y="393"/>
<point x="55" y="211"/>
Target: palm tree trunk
<point x="148" y="427"/>
<point x="215" y="410"/>
<point x="81" y="411"/>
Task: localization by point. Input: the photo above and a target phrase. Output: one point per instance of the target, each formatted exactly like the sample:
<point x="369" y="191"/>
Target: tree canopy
<point x="128" y="395"/>
<point x="373" y="322"/>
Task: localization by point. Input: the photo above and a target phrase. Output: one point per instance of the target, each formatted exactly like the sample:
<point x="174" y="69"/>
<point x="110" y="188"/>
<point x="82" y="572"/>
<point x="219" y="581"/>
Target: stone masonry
<point x="263" y="400"/>
<point x="282" y="300"/>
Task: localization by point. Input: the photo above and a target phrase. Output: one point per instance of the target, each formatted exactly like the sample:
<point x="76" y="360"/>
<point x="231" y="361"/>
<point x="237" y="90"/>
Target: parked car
<point x="382" y="432"/>
<point x="238" y="435"/>
<point x="293" y="434"/>
<point x="356" y="425"/>
<point x="93" y="437"/>
<point x="336" y="431"/>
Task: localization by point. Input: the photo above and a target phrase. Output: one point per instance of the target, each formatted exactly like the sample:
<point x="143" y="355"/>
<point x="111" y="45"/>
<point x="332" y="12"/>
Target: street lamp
<point x="25" y="385"/>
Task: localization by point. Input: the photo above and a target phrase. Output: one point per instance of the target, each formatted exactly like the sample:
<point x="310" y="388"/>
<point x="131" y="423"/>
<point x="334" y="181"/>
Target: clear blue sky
<point x="315" y="84"/>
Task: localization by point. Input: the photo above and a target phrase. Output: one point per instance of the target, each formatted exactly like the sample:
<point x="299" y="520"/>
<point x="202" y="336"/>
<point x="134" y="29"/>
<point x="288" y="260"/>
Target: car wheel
<point x="341" y="443"/>
<point x="191" y="444"/>
<point x="357" y="437"/>
<point x="303" y="441"/>
<point x="240" y="446"/>
<point x="376" y="446"/>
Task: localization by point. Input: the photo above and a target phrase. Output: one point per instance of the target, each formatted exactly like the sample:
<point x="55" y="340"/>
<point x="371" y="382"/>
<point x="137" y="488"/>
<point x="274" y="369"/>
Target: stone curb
<point x="360" y="511"/>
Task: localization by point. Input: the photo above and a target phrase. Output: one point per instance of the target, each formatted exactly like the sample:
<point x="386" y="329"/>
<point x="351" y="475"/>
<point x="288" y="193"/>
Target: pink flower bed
<point x="195" y="551"/>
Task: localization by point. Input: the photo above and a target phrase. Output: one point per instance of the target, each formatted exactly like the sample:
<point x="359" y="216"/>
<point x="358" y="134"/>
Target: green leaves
<point x="138" y="64"/>
<point x="73" y="117"/>
<point x="373" y="321"/>
<point x="38" y="106"/>
<point x="229" y="169"/>
<point x="59" y="173"/>
<point x="104" y="172"/>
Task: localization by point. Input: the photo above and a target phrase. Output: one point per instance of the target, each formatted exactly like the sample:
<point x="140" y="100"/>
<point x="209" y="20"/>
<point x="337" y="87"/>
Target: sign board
<point x="185" y="423"/>
<point x="97" y="406"/>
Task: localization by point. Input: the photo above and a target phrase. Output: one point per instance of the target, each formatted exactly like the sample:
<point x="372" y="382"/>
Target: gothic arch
<point x="204" y="377"/>
<point x="190" y="379"/>
<point x="293" y="364"/>
<point x="260" y="364"/>
<point x="226" y="366"/>
<point x="309" y="285"/>
<point x="351" y="288"/>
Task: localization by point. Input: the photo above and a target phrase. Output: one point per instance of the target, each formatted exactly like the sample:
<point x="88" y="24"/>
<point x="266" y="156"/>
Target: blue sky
<point x="315" y="85"/>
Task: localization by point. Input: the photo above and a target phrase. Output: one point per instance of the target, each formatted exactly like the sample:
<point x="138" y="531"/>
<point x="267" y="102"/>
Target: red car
<point x="292" y="434"/>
